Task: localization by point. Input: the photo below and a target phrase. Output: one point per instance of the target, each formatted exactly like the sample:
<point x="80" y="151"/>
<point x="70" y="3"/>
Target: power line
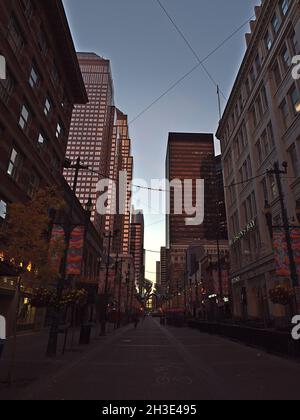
<point x="189" y="46"/>
<point x="152" y="252"/>
<point x="155" y="223"/>
<point x="181" y="79"/>
<point x="245" y="181"/>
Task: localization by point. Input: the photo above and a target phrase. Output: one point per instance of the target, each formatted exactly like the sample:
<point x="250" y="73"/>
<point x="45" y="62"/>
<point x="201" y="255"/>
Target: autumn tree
<point x="25" y="237"/>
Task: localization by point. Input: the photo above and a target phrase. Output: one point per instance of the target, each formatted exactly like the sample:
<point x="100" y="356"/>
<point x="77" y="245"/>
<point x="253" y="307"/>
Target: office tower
<point x="189" y="157"/>
<point x="121" y="171"/>
<point x="137" y="247"/>
<point x="163" y="270"/>
<point x="91" y="130"/>
<point x="158" y="273"/>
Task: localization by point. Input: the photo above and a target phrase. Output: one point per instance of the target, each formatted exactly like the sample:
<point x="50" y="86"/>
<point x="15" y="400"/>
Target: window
<point x="42" y="140"/>
<point x="14" y="36"/>
<point x="6" y="88"/>
<point x="265" y="143"/>
<point x="259" y="151"/>
<point x="3" y="209"/>
<point x="294" y="98"/>
<point x="273" y="187"/>
<point x="59" y="130"/>
<point x="275" y="23"/>
<point x="268" y="41"/>
<point x="252" y="75"/>
<point x="33" y="78"/>
<point x="258" y="63"/>
<point x="33" y="185"/>
<point x="286" y="59"/>
<point x="271" y="135"/>
<point x="295" y="160"/>
<point x="265" y="189"/>
<point x="47" y="107"/>
<point x="28" y="9"/>
<point x="264" y="98"/>
<point x="15" y="164"/>
<point x="42" y="43"/>
<point x="254" y="117"/>
<point x="54" y="75"/>
<point x="284" y="5"/>
<point x="284" y="113"/>
<point x="277" y="74"/>
<point x="24" y="117"/>
<point x="294" y="43"/>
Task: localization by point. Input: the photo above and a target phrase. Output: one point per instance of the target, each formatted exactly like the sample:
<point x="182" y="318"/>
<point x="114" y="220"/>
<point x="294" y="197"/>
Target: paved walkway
<point x="155" y="362"/>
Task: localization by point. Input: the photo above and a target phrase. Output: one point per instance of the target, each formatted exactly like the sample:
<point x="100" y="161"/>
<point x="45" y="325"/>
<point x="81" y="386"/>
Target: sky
<point x="147" y="56"/>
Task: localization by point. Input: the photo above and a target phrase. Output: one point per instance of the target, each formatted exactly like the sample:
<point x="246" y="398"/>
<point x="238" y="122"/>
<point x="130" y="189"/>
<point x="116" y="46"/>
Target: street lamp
<point x="68" y="226"/>
<point x="297" y="107"/>
<point x="109" y="236"/>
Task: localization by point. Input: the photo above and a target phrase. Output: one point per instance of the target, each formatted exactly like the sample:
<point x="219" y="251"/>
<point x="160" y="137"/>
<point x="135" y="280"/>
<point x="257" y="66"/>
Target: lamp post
<point x="68" y="226"/>
<point x="286" y="225"/>
<point x="109" y="236"/>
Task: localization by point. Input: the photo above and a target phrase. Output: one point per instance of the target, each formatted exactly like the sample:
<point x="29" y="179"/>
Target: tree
<point x="25" y="244"/>
<point x="25" y="237"/>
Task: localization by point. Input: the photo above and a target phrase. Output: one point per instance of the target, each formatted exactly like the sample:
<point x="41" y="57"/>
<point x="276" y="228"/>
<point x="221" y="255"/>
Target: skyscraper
<point x="189" y="157"/>
<point x="163" y="270"/>
<point x="137" y="246"/>
<point x="121" y="172"/>
<point x="91" y="129"/>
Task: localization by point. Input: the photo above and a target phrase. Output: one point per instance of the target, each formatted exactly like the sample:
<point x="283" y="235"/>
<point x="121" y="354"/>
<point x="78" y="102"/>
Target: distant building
<point x="158" y="273"/>
<point x="190" y="156"/>
<point x="261" y="126"/>
<point x="121" y="166"/>
<point x="137" y="247"/>
<point x="163" y="271"/>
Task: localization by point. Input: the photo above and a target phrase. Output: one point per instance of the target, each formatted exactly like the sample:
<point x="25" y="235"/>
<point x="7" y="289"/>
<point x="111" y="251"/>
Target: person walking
<point x="135" y="320"/>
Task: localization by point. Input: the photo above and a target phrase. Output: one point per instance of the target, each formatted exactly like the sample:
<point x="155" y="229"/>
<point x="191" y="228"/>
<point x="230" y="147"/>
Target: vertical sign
<point x="282" y="262"/>
<point x="75" y="252"/>
<point x="57" y="238"/>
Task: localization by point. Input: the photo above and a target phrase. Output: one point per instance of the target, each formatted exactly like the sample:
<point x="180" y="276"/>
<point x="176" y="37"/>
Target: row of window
<point x="263" y="50"/>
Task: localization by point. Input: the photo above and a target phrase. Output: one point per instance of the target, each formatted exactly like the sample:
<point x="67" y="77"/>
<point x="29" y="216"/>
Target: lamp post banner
<point x="282" y="262"/>
<point x="75" y="252"/>
<point x="57" y="237"/>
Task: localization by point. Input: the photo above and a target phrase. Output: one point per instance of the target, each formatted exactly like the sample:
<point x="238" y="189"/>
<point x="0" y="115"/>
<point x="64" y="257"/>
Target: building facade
<point x="137" y="247"/>
<point x="121" y="173"/>
<point x="91" y="130"/>
<point x="261" y="126"/>
<point x="163" y="271"/>
<point x="43" y="82"/>
<point x="189" y="157"/>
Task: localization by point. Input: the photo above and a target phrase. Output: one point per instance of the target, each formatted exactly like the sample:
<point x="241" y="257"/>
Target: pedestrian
<point x="135" y="320"/>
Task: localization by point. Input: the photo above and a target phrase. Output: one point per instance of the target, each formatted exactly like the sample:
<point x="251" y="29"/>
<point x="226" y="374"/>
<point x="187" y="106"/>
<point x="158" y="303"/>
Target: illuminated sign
<point x="250" y="226"/>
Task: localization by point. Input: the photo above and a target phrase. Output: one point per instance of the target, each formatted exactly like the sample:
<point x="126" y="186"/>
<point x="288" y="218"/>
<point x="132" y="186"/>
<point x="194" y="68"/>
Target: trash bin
<point x="85" y="334"/>
<point x="2" y="342"/>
